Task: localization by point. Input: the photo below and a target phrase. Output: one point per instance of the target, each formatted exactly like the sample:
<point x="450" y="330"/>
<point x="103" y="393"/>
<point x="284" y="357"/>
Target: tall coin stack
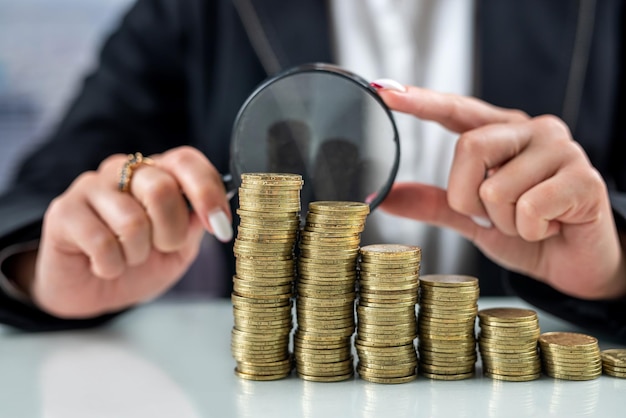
<point x="387" y="326"/>
<point x="570" y="355"/>
<point x="329" y="247"/>
<point x="508" y="344"/>
<point x="614" y="362"/>
<point x="446" y="320"/>
<point x="269" y="211"/>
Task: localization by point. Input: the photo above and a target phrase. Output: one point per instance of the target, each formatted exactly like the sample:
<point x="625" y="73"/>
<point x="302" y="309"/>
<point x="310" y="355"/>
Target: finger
<point x="574" y="195"/>
<point x="513" y="157"/>
<point x="127" y="219"/>
<point x="89" y="234"/>
<point x="476" y="153"/>
<point x="456" y="113"/>
<point x="428" y="204"/>
<point x="203" y="186"/>
<point x="160" y="194"/>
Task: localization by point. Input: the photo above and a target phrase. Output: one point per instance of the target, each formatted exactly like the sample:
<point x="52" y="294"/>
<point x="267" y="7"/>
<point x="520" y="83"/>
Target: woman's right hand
<point x="103" y="250"/>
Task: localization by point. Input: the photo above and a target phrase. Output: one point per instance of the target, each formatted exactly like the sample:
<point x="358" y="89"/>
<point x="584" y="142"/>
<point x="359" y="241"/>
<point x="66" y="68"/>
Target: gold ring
<point x="126" y="173"/>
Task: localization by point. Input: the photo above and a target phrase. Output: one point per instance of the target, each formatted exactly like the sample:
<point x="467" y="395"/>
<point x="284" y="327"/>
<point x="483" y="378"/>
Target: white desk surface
<point x="172" y="359"/>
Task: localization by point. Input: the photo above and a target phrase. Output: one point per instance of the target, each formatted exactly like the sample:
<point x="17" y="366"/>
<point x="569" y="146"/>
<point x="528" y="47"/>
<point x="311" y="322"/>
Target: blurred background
<point x="46" y="48"/>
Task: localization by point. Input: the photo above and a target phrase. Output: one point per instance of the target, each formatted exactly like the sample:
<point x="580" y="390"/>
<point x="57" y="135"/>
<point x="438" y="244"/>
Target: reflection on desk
<point x="172" y="359"/>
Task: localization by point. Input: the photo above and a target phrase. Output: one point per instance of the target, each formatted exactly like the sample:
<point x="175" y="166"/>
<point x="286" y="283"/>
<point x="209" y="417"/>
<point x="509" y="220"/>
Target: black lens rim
<point x="330" y="69"/>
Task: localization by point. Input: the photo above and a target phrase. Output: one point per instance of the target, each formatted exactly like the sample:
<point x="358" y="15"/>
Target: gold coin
<point x="520" y="378"/>
<point x="339" y="206"/>
<point x="391" y="353"/>
<point x="390" y="380"/>
<point x="614" y="357"/>
<point x="449" y="280"/>
<point x="567" y="339"/>
<point x="280" y="178"/>
<point x="261" y="377"/>
<point x="410" y="288"/>
<point x="436" y="376"/>
<point x="328" y="366"/>
<point x="307" y="357"/>
<point x="489" y="350"/>
<point x="390" y="251"/>
<point x="337" y="378"/>
<point x="334" y="218"/>
<point x="565" y="376"/>
<point x="329" y="344"/>
<point x="364" y="370"/>
<point x="506" y="315"/>
<point x="241" y="300"/>
<point x="388" y="303"/>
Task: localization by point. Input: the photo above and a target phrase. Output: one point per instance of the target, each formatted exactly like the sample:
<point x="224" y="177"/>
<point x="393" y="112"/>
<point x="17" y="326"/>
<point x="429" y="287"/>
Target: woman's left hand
<point x="522" y="190"/>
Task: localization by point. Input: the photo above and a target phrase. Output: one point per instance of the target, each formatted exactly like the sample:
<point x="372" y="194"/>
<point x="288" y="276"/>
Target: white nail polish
<point x="480" y="221"/>
<point x="389" y="84"/>
<point x="222" y="229"/>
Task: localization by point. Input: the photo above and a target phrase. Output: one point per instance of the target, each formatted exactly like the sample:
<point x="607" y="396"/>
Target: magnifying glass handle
<point x="231" y="189"/>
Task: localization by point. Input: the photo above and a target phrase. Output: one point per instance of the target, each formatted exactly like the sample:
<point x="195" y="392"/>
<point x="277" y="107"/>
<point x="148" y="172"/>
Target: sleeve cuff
<point x="6" y="284"/>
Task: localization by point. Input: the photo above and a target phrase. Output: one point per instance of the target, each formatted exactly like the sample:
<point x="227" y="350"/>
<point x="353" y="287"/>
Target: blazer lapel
<point x="509" y="35"/>
<point x="287" y="33"/>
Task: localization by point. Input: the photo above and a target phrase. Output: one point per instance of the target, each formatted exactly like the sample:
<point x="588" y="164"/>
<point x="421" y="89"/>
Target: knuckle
<point x="456" y="203"/>
<point x="554" y="125"/>
<point x="490" y="193"/>
<point x="102" y="242"/>
<point x="527" y="209"/>
<point x="102" y="248"/>
<point x="470" y="143"/>
<point x="528" y="220"/>
<point x="133" y="224"/>
<point x="56" y="208"/>
<point x="595" y="182"/>
<point x="184" y="155"/>
<point x="115" y="160"/>
<point x="160" y="190"/>
<point x="518" y="115"/>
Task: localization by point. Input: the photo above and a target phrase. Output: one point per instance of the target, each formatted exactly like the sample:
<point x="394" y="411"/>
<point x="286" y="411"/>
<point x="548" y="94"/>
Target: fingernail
<point x="480" y="221"/>
<point x="222" y="229"/>
<point x="389" y="84"/>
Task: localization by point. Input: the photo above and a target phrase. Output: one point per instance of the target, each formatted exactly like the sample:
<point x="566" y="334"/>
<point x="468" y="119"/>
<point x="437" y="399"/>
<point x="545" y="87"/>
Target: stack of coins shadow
<point x="508" y="344"/>
<point x="570" y="355"/>
<point x="614" y="362"/>
<point x="269" y="211"/>
<point x="329" y="247"/>
<point x="446" y="320"/>
<point x="387" y="326"/>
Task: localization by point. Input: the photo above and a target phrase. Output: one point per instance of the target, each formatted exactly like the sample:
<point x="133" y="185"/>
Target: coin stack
<point x="508" y="344"/>
<point x="614" y="362"/>
<point x="329" y="248"/>
<point x="387" y="326"/>
<point x="269" y="211"/>
<point x="446" y="319"/>
<point x="570" y="355"/>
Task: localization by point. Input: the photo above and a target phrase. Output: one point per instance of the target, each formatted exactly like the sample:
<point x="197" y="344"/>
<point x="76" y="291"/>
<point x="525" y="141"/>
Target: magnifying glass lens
<point x="325" y="124"/>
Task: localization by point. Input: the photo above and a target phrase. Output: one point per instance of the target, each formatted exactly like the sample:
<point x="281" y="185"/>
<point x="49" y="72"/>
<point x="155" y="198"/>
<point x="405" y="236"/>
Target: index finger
<point x="456" y="113"/>
<point x="203" y="187"/>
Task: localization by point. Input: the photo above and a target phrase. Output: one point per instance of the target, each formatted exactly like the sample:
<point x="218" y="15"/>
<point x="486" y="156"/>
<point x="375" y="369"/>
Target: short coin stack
<point x="508" y="344"/>
<point x="269" y="208"/>
<point x="446" y="320"/>
<point x="387" y="326"/>
<point x="570" y="355"/>
<point x="329" y="248"/>
<point x="614" y="362"/>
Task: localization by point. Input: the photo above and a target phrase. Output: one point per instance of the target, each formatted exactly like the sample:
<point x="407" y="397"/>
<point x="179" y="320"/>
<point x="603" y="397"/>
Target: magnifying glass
<point x="324" y="123"/>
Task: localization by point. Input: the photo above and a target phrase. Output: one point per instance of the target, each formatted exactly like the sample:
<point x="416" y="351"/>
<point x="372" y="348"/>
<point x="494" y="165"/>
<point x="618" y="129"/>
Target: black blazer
<point x="176" y="72"/>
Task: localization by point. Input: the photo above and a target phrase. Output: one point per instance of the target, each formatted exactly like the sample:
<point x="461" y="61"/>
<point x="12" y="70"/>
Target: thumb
<point x="427" y="204"/>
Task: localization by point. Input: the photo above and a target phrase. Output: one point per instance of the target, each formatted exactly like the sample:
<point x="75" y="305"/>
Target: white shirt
<point x="425" y="43"/>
